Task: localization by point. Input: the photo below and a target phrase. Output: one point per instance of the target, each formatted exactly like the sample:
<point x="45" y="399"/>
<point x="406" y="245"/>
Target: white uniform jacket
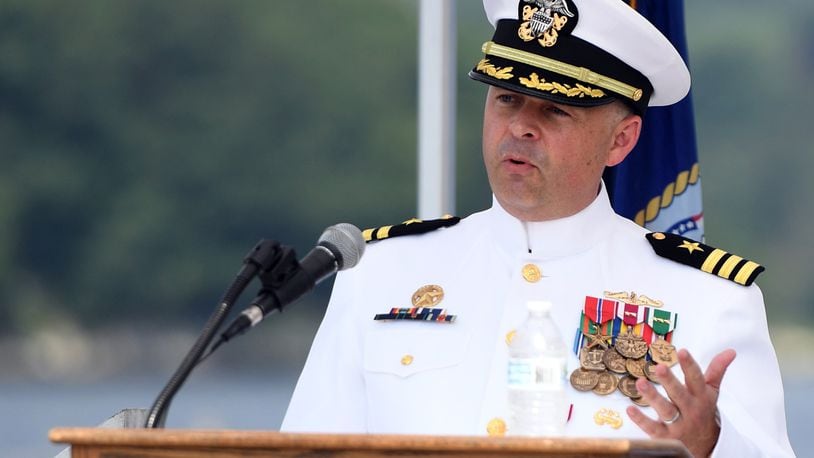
<point x="453" y="381"/>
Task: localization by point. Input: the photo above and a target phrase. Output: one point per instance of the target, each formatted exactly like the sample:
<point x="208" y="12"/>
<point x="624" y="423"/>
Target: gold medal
<point x="640" y="402"/>
<point x="607" y="383"/>
<point x="650" y="371"/>
<point x="583" y="380"/>
<point x="630" y="345"/>
<point x="635" y="367"/>
<point x="591" y="359"/>
<point x="428" y="296"/>
<point x="614" y="361"/>
<point x="597" y="340"/>
<point x="627" y="385"/>
<point x="663" y="352"/>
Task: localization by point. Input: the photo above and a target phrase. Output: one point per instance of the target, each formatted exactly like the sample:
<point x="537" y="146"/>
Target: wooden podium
<point x="184" y="443"/>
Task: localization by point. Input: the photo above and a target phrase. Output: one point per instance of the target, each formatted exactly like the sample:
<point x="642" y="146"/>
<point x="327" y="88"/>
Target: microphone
<point x="339" y="247"/>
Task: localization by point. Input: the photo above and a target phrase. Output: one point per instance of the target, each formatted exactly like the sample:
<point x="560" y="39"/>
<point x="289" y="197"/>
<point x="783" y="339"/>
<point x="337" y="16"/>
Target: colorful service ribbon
<point x="662" y="322"/>
<point x="417" y="314"/>
<point x="611" y="318"/>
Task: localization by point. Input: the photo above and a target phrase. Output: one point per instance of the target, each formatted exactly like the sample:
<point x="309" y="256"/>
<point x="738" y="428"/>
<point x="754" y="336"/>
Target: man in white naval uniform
<point x="550" y="234"/>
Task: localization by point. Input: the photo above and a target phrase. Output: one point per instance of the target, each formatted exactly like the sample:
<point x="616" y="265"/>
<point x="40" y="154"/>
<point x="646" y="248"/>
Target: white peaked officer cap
<point x="582" y="53"/>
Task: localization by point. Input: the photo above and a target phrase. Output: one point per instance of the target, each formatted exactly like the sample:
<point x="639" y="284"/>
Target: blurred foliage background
<point x="147" y="145"/>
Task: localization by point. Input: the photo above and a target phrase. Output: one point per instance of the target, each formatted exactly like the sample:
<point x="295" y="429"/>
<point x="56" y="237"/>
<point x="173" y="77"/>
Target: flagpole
<point x="436" y="108"/>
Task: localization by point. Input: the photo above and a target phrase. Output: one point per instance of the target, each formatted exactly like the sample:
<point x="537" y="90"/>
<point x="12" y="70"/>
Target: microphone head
<point x="345" y="242"/>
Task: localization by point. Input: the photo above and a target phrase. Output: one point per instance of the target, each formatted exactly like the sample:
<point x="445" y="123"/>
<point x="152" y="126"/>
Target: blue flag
<point x="658" y="185"/>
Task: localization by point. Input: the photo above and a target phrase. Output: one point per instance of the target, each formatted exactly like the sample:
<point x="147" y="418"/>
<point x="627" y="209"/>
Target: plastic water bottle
<point x="537" y="376"/>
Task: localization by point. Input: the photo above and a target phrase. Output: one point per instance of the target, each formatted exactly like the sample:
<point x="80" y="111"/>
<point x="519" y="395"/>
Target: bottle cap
<point x="538" y="306"/>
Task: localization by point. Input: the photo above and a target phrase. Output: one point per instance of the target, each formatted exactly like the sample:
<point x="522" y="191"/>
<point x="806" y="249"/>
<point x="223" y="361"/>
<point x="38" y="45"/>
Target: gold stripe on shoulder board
<point x="410" y="227"/>
<point x="705" y="258"/>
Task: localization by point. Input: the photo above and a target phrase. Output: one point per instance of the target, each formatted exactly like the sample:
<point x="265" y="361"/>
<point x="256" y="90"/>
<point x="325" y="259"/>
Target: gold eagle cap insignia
<point x="544" y="20"/>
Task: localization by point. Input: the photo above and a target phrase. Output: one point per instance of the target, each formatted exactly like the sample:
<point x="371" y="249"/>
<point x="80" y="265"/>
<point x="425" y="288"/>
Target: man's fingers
<point x="663" y="407"/>
<point x="654" y="428"/>
<point x="717" y="368"/>
<point x="676" y="391"/>
<point x="693" y="377"/>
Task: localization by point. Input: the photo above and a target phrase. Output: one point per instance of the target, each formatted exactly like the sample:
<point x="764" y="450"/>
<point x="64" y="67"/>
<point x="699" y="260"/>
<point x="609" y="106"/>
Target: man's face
<point x="544" y="160"/>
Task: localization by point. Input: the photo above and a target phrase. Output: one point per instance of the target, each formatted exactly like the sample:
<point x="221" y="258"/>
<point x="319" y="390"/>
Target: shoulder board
<point x="709" y="259"/>
<point x="409" y="227"/>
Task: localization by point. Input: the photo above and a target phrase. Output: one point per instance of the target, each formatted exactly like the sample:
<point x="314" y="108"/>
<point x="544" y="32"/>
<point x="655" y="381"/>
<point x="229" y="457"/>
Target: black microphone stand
<point x="262" y="258"/>
<point x="285" y="270"/>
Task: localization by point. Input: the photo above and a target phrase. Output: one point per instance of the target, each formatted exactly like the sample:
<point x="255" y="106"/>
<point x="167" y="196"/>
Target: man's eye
<point x="557" y="111"/>
<point x="505" y="98"/>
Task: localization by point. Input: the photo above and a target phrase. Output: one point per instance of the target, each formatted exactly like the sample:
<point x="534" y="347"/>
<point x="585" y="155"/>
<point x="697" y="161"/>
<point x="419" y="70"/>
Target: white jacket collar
<point x="555" y="238"/>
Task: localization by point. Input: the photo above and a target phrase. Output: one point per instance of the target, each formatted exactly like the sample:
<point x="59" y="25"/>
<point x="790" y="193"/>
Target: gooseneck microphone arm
<point x="340" y="247"/>
<point x="284" y="281"/>
<point x="266" y="302"/>
<point x="260" y="259"/>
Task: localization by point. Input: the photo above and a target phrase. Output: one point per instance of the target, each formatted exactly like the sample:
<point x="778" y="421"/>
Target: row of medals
<point x="604" y="368"/>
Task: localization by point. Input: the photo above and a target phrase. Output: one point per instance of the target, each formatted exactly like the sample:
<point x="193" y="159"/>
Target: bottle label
<point x="536" y="372"/>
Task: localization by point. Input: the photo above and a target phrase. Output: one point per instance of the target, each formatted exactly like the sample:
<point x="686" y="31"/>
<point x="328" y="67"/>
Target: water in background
<point x="31" y="409"/>
<point x="252" y="402"/>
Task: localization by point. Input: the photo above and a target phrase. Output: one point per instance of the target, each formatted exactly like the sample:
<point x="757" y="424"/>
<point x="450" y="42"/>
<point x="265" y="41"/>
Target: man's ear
<point x="625" y="136"/>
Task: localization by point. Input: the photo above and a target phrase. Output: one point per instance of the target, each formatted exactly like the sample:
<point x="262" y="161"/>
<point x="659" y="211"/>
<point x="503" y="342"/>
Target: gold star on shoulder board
<point x="710" y="259"/>
<point x="411" y="221"/>
<point x="691" y="246"/>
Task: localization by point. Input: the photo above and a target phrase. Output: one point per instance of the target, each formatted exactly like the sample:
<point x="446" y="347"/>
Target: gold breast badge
<point x="428" y="296"/>
<point x="633" y="298"/>
<point x="608" y="417"/>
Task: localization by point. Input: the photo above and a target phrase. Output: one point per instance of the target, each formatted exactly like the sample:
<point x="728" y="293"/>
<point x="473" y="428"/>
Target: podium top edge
<point x="273" y="440"/>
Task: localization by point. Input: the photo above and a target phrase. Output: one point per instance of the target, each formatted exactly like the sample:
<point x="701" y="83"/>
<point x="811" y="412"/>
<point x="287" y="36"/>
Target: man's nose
<point x="524" y="125"/>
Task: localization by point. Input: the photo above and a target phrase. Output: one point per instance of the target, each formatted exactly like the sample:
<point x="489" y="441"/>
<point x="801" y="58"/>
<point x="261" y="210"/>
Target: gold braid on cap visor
<point x="579" y="73"/>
